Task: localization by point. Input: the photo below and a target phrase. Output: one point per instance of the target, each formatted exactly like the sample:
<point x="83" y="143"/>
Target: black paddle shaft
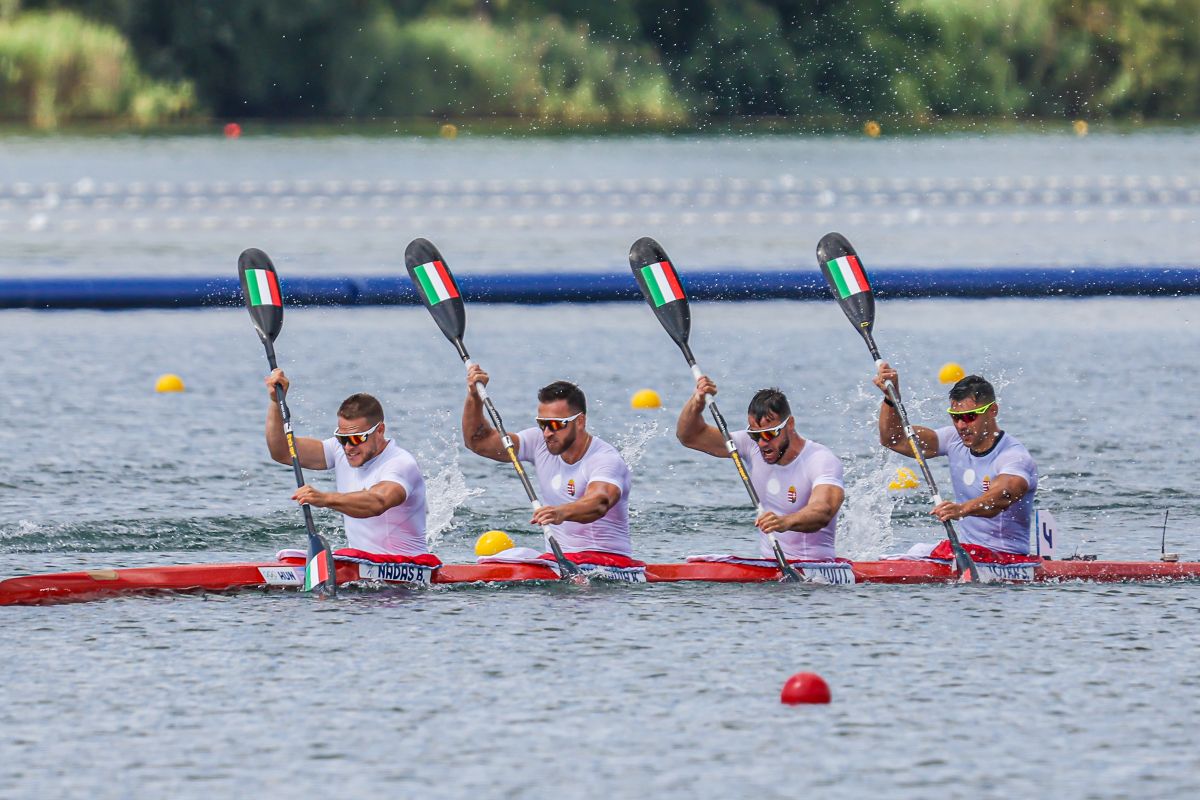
<point x="660" y="284"/>
<point x="849" y="285"/>
<point x="439" y="293"/>
<point x="264" y="300"/>
<point x="657" y="278"/>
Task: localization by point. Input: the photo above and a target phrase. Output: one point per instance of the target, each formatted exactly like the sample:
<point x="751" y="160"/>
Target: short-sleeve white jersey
<point x="401" y="529"/>
<point x="972" y="475"/>
<point x="560" y="482"/>
<point x="787" y="489"/>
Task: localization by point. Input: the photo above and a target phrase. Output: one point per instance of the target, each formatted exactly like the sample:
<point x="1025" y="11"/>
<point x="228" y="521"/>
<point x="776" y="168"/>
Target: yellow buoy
<point x="492" y="542"/>
<point x="1080" y="126"/>
<point x="645" y="398"/>
<point x="872" y="129"/>
<point x="449" y="131"/>
<point x="169" y="383"/>
<point x="905" y="479"/>
<point x="951" y="373"/>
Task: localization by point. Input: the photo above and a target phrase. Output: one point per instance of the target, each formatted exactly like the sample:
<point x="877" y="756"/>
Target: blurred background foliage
<point x="666" y="62"/>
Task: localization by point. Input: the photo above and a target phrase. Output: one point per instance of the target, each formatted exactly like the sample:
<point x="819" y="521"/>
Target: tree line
<point x="668" y="62"/>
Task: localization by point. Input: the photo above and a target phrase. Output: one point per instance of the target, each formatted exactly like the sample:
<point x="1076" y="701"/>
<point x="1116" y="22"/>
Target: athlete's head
<point x="360" y="428"/>
<point x="973" y="411"/>
<point x="562" y="415"/>
<point x="973" y="387"/>
<point x="769" y="423"/>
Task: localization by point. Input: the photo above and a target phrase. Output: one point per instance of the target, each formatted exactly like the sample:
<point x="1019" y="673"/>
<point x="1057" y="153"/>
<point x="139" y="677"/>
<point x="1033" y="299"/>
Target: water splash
<point x="632" y="444"/>
<point x="865" y="527"/>
<point x="447" y="490"/>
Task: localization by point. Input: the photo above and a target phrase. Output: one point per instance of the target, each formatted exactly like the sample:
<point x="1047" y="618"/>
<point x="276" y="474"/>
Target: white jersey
<point x="401" y="529"/>
<point x="972" y="474"/>
<point x="787" y="489"/>
<point x="560" y="482"/>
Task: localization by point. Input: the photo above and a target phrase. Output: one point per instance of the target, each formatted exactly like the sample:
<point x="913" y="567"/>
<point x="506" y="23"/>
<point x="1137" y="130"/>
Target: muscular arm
<point x="310" y="451"/>
<point x="595" y="503"/>
<point x="823" y="505"/>
<point x="891" y="430"/>
<point x="367" y="503"/>
<point x="891" y="434"/>
<point x="1003" y="492"/>
<point x="693" y="432"/>
<point x="478" y="435"/>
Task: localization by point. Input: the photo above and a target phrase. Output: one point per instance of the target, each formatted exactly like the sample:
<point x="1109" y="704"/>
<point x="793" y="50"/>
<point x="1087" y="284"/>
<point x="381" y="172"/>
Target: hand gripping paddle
<point x="848" y="282"/>
<point x="663" y="290"/>
<point x="264" y="300"/>
<point x="438" y="290"/>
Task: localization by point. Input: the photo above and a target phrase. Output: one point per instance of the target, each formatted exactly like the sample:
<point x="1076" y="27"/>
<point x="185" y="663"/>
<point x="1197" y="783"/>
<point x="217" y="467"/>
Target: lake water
<point x="664" y="690"/>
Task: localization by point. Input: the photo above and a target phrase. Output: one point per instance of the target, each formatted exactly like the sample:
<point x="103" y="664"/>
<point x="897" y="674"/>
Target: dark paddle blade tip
<point x="262" y="292"/>
<point x="435" y="285"/>
<point x="660" y="284"/>
<point x="847" y="279"/>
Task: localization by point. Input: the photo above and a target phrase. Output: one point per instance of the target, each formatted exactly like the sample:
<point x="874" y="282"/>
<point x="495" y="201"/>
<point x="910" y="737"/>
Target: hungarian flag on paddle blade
<point x="262" y="287"/>
<point x="317" y="571"/>
<point x="848" y="276"/>
<point x="662" y="282"/>
<point x="435" y="282"/>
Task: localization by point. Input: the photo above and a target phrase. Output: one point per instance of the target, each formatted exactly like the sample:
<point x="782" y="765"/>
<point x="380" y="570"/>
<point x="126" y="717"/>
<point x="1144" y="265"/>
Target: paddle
<point x="848" y="283"/>
<point x="264" y="300"/>
<point x="437" y="289"/>
<point x="663" y="290"/>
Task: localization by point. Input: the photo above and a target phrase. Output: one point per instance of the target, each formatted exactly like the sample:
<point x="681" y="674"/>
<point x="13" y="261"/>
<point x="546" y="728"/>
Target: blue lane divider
<point x="119" y="293"/>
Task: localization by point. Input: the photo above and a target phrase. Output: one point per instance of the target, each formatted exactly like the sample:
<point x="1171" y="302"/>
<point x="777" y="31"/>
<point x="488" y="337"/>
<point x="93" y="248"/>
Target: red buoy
<point x="233" y="130"/>
<point x="805" y="687"/>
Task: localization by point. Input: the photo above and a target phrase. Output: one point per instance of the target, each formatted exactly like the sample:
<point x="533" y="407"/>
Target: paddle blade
<point x="661" y="287"/>
<point x="260" y="287"/>
<point x="847" y="280"/>
<point x="436" y="287"/>
<point x="320" y="572"/>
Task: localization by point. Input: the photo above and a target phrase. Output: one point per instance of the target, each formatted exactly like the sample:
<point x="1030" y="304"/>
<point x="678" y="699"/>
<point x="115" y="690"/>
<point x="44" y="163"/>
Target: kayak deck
<point x="92" y="584"/>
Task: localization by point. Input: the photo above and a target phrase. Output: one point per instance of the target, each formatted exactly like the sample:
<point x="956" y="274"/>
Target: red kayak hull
<point x="91" y="584"/>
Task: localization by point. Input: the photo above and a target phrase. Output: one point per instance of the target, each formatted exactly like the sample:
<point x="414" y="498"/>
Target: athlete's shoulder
<point x="601" y="452"/>
<point x="1012" y="446"/>
<point x="820" y="458"/>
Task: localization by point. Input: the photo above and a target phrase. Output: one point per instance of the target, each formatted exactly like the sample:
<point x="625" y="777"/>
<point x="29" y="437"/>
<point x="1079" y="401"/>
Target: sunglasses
<point x="969" y="416"/>
<point x="555" y="424"/>
<point x="767" y="434"/>
<point x="355" y="438"/>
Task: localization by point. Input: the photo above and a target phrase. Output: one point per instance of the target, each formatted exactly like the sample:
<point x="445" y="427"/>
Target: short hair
<point x="564" y="390"/>
<point x="973" y="386"/>
<point x="768" y="401"/>
<point x="361" y="405"/>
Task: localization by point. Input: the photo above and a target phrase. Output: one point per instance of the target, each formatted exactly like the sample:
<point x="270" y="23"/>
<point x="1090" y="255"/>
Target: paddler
<point x="798" y="481"/>
<point x="380" y="489"/>
<point x="583" y="480"/>
<point x="994" y="476"/>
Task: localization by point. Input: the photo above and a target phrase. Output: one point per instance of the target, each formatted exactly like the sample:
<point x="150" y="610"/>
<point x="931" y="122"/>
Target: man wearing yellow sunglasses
<point x="995" y="478"/>
<point x="798" y="481"/>
<point x="380" y="489"/>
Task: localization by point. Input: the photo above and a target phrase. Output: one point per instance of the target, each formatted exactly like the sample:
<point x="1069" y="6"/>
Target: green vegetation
<point x="658" y="63"/>
<point x="57" y="67"/>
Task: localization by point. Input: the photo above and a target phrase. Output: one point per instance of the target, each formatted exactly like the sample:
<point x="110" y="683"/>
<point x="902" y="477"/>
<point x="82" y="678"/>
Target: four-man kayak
<point x="289" y="574"/>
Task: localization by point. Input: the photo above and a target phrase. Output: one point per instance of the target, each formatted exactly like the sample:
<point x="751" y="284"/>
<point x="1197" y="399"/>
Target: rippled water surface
<point x="533" y="691"/>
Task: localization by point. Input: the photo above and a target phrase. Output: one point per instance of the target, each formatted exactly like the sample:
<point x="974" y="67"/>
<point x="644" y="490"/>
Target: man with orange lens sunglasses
<point x="994" y="476"/>
<point x="380" y="489"/>
<point x="798" y="481"/>
<point x="583" y="479"/>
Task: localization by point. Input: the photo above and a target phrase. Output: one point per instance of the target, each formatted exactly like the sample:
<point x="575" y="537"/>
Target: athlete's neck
<point x="791" y="451"/>
<point x="577" y="449"/>
<point x="989" y="443"/>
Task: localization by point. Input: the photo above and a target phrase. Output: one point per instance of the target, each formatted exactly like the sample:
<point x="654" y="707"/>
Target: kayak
<point x="289" y="574"/>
